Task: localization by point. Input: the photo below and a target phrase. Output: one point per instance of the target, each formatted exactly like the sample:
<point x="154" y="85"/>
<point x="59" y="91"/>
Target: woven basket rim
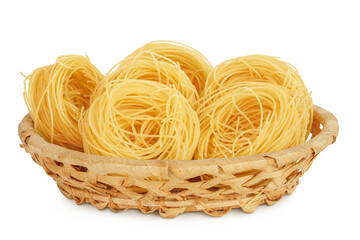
<point x="316" y="144"/>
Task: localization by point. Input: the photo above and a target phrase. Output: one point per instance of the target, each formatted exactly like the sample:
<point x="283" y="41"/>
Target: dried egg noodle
<point x="191" y="61"/>
<point x="250" y="118"/>
<point x="147" y="67"/>
<point x="55" y="96"/>
<point x="260" y="68"/>
<point x="140" y="119"/>
<point x="166" y="101"/>
<point x="252" y="105"/>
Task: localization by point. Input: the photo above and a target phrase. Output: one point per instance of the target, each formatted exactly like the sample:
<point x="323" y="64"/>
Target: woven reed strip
<point x="214" y="186"/>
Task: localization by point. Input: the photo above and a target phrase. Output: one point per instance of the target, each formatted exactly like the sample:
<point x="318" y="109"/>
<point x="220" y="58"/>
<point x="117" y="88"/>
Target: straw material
<point x="214" y="186"/>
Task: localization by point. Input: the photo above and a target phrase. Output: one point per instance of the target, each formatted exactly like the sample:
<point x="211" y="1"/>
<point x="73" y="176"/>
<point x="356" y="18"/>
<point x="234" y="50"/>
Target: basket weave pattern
<point x="214" y="186"/>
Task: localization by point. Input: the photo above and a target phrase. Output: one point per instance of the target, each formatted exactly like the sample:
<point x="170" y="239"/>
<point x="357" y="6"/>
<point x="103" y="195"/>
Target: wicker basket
<point x="214" y="186"/>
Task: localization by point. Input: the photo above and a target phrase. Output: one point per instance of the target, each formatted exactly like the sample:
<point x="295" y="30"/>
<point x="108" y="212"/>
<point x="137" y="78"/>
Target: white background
<point x="321" y="38"/>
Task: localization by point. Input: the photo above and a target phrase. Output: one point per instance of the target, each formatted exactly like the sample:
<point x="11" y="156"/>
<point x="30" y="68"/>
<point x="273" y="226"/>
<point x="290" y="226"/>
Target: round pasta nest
<point x="140" y="119"/>
<point x="192" y="62"/>
<point x="251" y="105"/>
<point x="147" y="67"/>
<point x="56" y="95"/>
<point x="249" y="118"/>
<point x="260" y="68"/>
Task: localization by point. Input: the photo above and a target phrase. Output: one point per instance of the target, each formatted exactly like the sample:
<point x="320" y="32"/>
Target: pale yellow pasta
<point x="140" y="119"/>
<point x="260" y="68"/>
<point x="246" y="118"/>
<point x="55" y="96"/>
<point x="191" y="61"/>
<point x="165" y="101"/>
<point x="147" y="67"/>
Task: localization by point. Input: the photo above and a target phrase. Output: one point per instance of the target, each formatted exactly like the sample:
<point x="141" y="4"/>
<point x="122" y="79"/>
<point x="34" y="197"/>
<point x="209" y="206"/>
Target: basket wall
<point x="214" y="186"/>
